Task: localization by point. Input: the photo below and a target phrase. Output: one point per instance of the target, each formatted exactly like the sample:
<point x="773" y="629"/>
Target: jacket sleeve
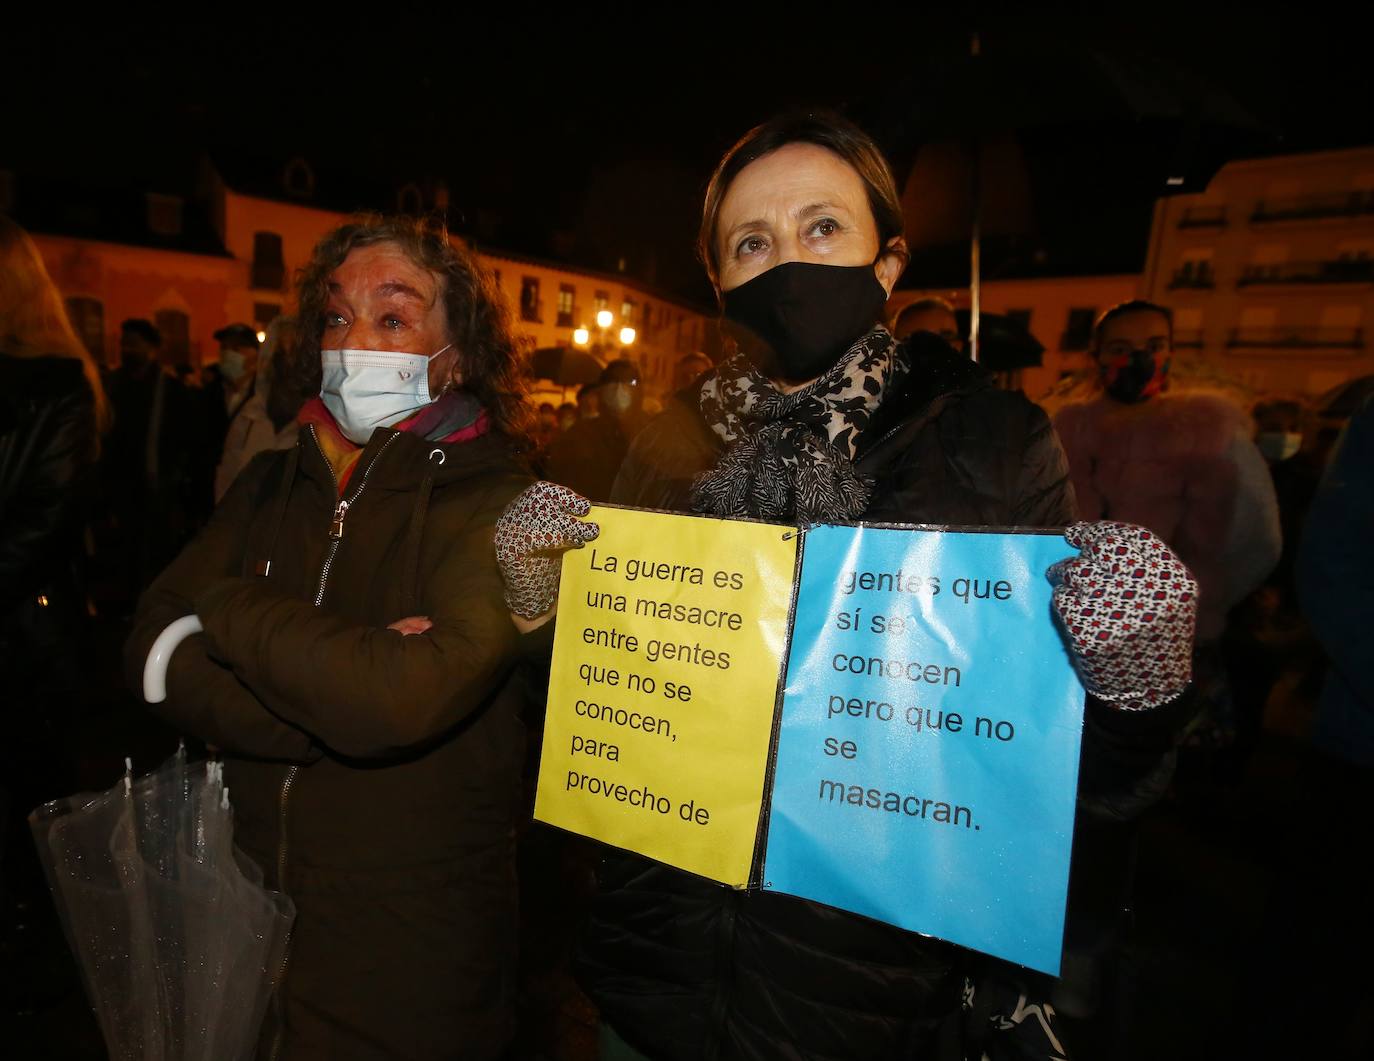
<point x="1336" y="562"/>
<point x="366" y="691"/>
<point x="1254" y="539"/>
<point x="204" y="698"/>
<point x="1043" y="493"/>
<point x="49" y="495"/>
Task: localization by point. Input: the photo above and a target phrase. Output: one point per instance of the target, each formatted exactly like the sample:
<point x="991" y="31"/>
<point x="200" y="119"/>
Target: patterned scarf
<point x="791" y="456"/>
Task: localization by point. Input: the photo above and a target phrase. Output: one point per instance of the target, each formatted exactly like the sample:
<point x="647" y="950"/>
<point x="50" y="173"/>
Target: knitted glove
<point x="531" y="536"/>
<point x="1128" y="606"/>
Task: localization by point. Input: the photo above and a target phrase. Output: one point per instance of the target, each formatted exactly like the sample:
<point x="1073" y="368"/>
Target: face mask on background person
<point x="368" y="389"/>
<point x="231" y="364"/>
<point x="798" y="319"/>
<point x="618" y="397"/>
<point x="1278" y="445"/>
<point x="1135" y="376"/>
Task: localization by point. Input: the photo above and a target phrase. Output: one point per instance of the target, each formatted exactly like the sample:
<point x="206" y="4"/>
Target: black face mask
<point x="798" y="319"/>
<point x="1134" y="379"/>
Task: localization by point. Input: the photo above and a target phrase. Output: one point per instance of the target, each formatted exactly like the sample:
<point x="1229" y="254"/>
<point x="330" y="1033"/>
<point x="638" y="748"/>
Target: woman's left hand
<point x="1128" y="606"/>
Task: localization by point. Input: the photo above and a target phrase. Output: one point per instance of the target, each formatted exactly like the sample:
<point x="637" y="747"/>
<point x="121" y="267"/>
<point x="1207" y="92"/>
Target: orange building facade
<point x="1270" y="271"/>
<point x="265" y="241"/>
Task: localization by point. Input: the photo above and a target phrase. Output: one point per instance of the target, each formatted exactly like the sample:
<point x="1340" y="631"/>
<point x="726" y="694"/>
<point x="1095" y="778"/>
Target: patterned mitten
<point x="531" y="536"/>
<point x="1129" y="606"/>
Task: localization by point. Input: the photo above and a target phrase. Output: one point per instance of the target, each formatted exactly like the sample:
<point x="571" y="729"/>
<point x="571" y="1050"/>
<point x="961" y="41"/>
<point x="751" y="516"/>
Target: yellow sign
<point x="666" y="663"/>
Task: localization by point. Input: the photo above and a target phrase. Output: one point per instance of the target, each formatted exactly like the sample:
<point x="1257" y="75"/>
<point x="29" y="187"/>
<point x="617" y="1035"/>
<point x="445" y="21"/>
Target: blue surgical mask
<point x="1279" y="445"/>
<point x="368" y="389"/>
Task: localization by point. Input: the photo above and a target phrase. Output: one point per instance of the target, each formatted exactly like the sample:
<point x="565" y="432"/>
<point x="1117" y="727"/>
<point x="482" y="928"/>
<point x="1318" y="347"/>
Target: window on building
<point x="175" y="327"/>
<point x="601" y="301"/>
<point x="566" y="294"/>
<point x="529" y="299"/>
<point x="298" y="179"/>
<point x="88" y="319"/>
<point x="269" y="267"/>
<point x="1078" y="329"/>
<point x="627" y="311"/>
<point x="164" y="214"/>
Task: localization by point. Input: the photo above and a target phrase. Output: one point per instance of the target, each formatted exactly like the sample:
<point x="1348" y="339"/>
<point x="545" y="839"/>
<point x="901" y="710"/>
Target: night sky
<point x="588" y="133"/>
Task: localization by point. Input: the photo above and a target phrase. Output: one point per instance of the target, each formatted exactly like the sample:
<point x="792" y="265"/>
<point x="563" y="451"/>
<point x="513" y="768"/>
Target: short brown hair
<point x="1135" y="305"/>
<point x="824" y="129"/>
<point x="478" y="318"/>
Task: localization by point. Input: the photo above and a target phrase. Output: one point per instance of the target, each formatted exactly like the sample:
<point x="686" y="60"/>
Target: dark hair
<point x="144" y="329"/>
<point x="478" y="318"/>
<point x="824" y="129"/>
<point x="622" y="370"/>
<point x="920" y="306"/>
<point x="1135" y="305"/>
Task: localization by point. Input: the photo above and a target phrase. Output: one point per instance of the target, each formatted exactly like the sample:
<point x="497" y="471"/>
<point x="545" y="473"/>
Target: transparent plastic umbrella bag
<point x="177" y="939"/>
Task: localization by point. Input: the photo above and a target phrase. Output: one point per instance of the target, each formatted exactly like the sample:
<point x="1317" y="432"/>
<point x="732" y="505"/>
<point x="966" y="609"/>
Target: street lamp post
<point x="602" y="348"/>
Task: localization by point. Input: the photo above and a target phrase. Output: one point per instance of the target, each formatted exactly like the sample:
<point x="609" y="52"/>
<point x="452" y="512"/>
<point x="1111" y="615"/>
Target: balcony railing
<point x="1290" y="338"/>
<point x="1337" y="271"/>
<point x="1335" y="204"/>
<point x="1203" y="217"/>
<point x="1188" y="338"/>
<point x="1198" y="276"/>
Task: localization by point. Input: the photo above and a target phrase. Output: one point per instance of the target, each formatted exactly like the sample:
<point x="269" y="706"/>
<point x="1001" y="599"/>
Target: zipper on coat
<point x="336" y="532"/>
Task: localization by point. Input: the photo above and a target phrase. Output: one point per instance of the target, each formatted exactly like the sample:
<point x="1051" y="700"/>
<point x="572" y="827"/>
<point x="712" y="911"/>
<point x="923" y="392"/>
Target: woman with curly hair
<point x="356" y="668"/>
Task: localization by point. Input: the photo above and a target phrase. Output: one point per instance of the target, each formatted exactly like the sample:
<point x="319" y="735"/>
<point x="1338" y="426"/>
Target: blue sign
<point x="927" y="761"/>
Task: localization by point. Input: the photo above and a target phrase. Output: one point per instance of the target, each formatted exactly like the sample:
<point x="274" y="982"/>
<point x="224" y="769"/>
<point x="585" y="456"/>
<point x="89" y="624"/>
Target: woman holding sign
<point x="819" y="415"/>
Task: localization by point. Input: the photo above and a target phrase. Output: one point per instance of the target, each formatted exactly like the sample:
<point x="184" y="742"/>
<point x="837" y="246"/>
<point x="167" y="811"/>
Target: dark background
<point x="587" y="134"/>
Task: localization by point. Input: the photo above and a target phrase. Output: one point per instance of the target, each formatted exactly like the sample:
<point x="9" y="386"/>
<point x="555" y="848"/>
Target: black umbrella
<point x="565" y="365"/>
<point x="1006" y="343"/>
<point x="969" y="106"/>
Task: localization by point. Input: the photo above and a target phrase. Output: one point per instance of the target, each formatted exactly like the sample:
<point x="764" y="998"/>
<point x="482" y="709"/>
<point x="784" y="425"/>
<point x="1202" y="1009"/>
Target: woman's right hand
<point x="531" y="536"/>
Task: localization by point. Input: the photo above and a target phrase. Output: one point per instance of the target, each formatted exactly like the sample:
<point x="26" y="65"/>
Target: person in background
<point x="567" y="416"/>
<point x="588" y="406"/>
<point x="689" y="369"/>
<point x="1321" y="891"/>
<point x="358" y="665"/>
<point x="151" y="474"/>
<point x="817" y="414"/>
<point x="238" y="364"/>
<point x="52" y="410"/>
<point x="258" y="423"/>
<point x="1182" y="465"/>
<point x="587" y="457"/>
<point x="933" y="315"/>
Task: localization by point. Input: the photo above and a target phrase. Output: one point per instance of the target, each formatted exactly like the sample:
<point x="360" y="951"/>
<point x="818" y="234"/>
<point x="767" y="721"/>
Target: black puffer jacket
<point x="685" y="969"/>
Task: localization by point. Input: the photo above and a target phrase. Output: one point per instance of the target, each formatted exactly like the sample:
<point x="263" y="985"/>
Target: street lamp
<point x="602" y="349"/>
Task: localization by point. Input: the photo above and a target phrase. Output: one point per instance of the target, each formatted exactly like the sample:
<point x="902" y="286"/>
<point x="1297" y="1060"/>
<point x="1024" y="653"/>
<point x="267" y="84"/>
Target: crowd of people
<point x="366" y="515"/>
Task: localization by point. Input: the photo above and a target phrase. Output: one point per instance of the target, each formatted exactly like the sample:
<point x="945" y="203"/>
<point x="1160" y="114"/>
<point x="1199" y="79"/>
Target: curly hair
<point x="478" y="317"/>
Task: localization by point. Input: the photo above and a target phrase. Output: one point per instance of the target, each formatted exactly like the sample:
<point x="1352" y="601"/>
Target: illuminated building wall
<point x="262" y="244"/>
<point x="1270" y="271"/>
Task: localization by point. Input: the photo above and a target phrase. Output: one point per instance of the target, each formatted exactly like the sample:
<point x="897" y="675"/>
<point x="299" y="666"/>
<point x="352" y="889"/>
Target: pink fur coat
<point x="1183" y="466"/>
